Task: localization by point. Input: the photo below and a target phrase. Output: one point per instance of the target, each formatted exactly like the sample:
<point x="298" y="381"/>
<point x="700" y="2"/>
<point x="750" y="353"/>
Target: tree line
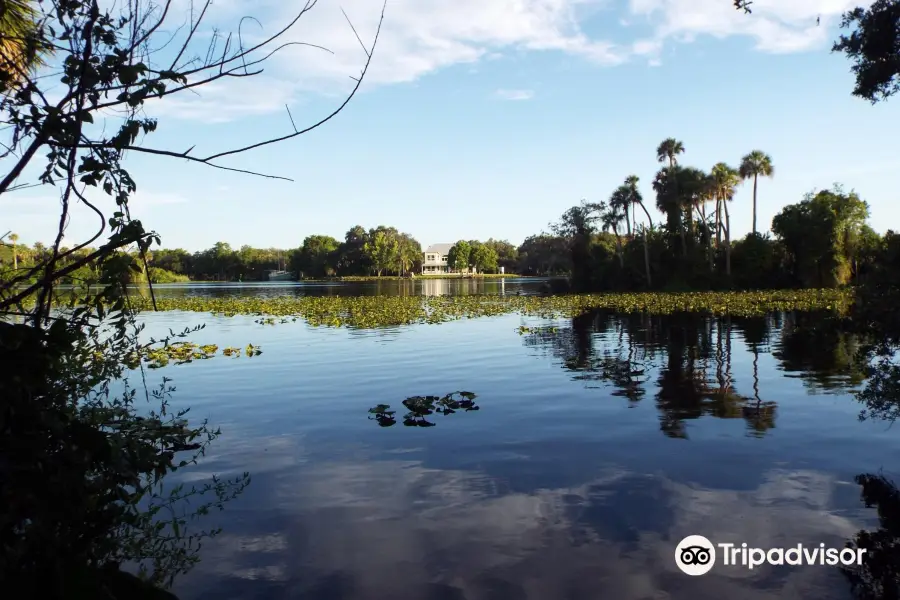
<point x="377" y="251"/>
<point x="823" y="240"/>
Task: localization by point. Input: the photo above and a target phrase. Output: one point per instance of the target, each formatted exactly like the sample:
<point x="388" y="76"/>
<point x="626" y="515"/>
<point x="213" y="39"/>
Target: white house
<point x="435" y="260"/>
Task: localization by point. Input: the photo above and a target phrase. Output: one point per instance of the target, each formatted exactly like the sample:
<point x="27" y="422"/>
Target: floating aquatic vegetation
<point x="420" y="407"/>
<point x="381" y="311"/>
<point x="180" y="353"/>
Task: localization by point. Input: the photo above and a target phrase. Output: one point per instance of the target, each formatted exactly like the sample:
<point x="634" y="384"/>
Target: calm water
<point x="599" y="444"/>
<point x="421" y="287"/>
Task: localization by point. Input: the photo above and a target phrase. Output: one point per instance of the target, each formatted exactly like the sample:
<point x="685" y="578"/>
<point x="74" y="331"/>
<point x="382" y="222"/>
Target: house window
<point x="444" y="258"/>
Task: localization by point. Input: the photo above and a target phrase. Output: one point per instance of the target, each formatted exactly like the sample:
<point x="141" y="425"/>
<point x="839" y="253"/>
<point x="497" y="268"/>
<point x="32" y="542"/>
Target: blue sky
<point x="490" y="118"/>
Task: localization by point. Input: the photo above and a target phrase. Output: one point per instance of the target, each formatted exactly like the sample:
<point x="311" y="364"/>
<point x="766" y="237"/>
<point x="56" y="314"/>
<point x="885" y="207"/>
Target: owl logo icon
<point x="695" y="555"/>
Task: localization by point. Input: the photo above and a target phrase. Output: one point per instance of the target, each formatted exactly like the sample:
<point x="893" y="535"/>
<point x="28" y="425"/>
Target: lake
<point x="598" y="444"/>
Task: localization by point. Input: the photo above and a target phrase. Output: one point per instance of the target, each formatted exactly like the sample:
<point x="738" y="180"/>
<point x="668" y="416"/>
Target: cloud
<point x="418" y="37"/>
<point x="775" y="26"/>
<point x="515" y="94"/>
<point x="422" y="37"/>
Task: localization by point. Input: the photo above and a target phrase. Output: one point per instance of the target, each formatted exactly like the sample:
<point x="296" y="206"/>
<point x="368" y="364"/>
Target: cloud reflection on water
<point x="397" y="529"/>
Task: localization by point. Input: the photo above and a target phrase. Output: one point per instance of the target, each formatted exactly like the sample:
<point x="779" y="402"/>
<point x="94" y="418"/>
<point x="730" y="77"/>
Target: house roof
<point x="439" y="249"/>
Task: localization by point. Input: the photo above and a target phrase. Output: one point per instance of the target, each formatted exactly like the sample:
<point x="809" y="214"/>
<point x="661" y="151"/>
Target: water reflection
<point x="825" y="355"/>
<point x="561" y="486"/>
<point x="687" y="357"/>
<point x="453" y="286"/>
<point x="879" y="577"/>
<point x="393" y="528"/>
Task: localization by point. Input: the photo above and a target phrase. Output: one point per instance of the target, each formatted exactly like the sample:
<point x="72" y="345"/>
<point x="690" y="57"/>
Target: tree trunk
<point x="647" y="260"/>
<point x="709" y="254"/>
<point x="634" y="217"/>
<point x="754" y="203"/>
<point x="627" y="222"/>
<point x="718" y="223"/>
<point x="727" y="241"/>
<point x="681" y="210"/>
<point x="649" y="219"/>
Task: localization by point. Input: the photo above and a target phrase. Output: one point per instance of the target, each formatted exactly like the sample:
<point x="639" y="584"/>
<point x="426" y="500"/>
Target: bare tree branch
<point x="101" y="64"/>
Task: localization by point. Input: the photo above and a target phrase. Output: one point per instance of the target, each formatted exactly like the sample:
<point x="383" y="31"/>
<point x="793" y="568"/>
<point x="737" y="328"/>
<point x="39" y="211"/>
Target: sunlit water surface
<point x="598" y="445"/>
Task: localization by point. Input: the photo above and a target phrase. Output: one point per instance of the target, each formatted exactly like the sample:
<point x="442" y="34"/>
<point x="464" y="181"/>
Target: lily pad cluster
<point x="420" y="407"/>
<point x="384" y="311"/>
<point x="180" y="353"/>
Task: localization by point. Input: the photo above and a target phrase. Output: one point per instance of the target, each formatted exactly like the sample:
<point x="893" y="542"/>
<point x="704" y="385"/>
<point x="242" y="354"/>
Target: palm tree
<point x="634" y="197"/>
<point x="20" y="48"/>
<point x="620" y="199"/>
<point x="724" y="181"/>
<point x="14" y="238"/>
<point x="668" y="151"/>
<point x="610" y="218"/>
<point x="753" y="165"/>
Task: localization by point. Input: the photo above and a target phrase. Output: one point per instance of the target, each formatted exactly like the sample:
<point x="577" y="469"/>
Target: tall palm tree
<point x="634" y="197"/>
<point x="21" y="48"/>
<point x="668" y="151"/>
<point x="620" y="199"/>
<point x="725" y="180"/>
<point x="753" y="165"/>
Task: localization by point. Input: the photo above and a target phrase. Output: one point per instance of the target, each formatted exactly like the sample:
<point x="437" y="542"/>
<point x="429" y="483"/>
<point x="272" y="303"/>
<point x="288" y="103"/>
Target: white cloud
<point x="421" y="37"/>
<point x="515" y="94"/>
<point x="775" y="26"/>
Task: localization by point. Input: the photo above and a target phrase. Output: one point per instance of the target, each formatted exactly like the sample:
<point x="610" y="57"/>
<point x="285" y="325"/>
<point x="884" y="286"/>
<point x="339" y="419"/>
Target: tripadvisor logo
<point x="696" y="555"/>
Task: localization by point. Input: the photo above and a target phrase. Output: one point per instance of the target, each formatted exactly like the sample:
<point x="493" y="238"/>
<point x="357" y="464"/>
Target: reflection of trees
<point x="756" y="332"/>
<point x="691" y="354"/>
<point x="822" y="350"/>
<point x="686" y="388"/>
<point x="623" y="364"/>
<point x="878" y="578"/>
<point x="881" y="395"/>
